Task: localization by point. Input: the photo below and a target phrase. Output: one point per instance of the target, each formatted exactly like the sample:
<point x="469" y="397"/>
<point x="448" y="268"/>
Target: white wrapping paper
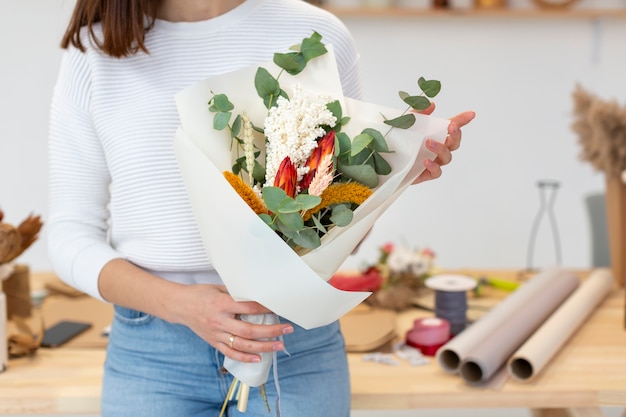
<point x="530" y="359"/>
<point x="253" y="261"/>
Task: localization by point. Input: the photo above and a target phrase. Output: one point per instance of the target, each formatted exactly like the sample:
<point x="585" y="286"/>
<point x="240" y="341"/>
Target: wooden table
<point x="589" y="372"/>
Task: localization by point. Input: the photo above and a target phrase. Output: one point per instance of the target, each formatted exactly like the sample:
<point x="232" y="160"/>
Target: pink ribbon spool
<point x="428" y="334"/>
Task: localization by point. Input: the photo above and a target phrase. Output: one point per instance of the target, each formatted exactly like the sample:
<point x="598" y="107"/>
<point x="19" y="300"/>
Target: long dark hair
<point x="124" y="25"/>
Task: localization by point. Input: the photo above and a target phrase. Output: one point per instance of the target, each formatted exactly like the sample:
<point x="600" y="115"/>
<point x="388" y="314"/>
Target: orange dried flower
<point x="349" y="192"/>
<point x="245" y="192"/>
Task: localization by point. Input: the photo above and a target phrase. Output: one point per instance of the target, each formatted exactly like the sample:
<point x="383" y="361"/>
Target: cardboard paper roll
<point x="530" y="359"/>
<point x="453" y="353"/>
<point x="486" y="358"/>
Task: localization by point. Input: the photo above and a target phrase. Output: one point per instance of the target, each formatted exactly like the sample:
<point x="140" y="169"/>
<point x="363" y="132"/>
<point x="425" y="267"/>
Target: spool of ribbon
<point x="451" y="299"/>
<point x="428" y="334"/>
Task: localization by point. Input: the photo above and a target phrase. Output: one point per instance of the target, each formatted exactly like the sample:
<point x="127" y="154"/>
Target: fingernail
<point x="278" y="346"/>
<point x="255" y="359"/>
<point x="432" y="145"/>
<point x="287" y="330"/>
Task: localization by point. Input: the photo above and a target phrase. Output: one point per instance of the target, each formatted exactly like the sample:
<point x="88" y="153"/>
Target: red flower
<point x="325" y="146"/>
<point x="287" y="177"/>
<point x="387" y="248"/>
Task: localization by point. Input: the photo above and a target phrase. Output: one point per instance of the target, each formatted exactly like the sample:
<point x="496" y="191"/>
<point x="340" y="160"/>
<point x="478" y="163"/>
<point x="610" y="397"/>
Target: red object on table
<point x="370" y="280"/>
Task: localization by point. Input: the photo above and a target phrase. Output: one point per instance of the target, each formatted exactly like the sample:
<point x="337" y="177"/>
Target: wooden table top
<point x="590" y="371"/>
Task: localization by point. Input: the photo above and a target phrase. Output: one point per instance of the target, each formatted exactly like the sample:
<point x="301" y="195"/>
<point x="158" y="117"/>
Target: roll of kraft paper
<point x="493" y="353"/>
<point x="529" y="360"/>
<point x="451" y="355"/>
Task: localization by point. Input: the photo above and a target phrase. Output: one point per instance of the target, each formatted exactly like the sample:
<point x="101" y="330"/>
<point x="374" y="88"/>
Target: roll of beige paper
<point x="530" y="359"/>
<point x="452" y="354"/>
<point x="482" y="362"/>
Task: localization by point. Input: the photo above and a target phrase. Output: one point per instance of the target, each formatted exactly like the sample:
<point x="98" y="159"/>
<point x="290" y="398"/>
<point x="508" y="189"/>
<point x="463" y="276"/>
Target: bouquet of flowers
<point x="403" y="271"/>
<point x="396" y="278"/>
<point x="293" y="206"/>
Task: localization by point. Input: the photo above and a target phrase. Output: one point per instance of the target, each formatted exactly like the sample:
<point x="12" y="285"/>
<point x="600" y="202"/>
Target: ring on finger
<point x="231" y="341"/>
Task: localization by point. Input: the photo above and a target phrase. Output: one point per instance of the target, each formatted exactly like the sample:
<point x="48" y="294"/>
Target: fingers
<point x="443" y="151"/>
<point x="212" y="313"/>
<point x="432" y="171"/>
<point x="453" y="141"/>
<point x="464" y="118"/>
<point x="257" y="339"/>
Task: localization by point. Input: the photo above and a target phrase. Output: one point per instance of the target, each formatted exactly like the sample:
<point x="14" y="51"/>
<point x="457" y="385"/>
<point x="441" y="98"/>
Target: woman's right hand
<point x="212" y="314"/>
<point x="208" y="310"/>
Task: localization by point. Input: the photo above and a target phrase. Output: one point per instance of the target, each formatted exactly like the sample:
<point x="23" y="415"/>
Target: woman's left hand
<point x="444" y="150"/>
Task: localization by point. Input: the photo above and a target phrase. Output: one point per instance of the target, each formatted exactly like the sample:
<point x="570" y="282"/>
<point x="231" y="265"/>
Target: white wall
<point x="516" y="73"/>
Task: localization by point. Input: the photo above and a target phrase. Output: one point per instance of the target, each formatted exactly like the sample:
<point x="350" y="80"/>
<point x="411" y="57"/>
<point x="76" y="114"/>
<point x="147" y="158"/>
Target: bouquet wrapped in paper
<point x="286" y="176"/>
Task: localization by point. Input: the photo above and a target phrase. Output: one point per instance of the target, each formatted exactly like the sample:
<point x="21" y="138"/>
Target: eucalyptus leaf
<point x="221" y="119"/>
<point x="360" y="142"/>
<point x="273" y="196"/>
<point x="379" y="144"/>
<point x="344" y="142"/>
<point x="292" y="221"/>
<point x="313" y="47"/>
<point x="363" y="157"/>
<point x="266" y="85"/>
<point x="289" y="205"/>
<point x="365" y="174"/>
<point x="307" y="238"/>
<point x="222" y="103"/>
<point x="292" y="62"/>
<point x="258" y="172"/>
<point x="430" y="87"/>
<point x="319" y="224"/>
<point x="307" y="201"/>
<point x="417" y="102"/>
<point x="381" y="166"/>
<point x="403" y="122"/>
<point x="335" y="109"/>
<point x="341" y="215"/>
<point x="268" y="220"/>
<point x="236" y="127"/>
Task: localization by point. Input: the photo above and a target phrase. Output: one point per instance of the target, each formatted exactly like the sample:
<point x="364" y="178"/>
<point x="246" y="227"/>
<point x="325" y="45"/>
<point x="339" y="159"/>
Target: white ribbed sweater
<point x="115" y="186"/>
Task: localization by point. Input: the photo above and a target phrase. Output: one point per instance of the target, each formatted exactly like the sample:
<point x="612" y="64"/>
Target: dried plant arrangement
<point x="601" y="128"/>
<point x="15" y="240"/>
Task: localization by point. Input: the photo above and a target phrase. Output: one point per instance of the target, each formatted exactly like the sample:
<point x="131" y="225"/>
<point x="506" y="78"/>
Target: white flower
<point x="399" y="259"/>
<point x="292" y="128"/>
<point x="420" y="264"/>
<point x="402" y="259"/>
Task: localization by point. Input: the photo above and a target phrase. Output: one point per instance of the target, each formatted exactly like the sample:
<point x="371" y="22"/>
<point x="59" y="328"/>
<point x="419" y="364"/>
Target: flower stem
<point x="229" y="395"/>
<point x="242" y="401"/>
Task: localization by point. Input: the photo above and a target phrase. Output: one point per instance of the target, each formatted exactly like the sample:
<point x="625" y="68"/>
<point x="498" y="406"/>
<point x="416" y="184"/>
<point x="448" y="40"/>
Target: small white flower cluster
<point x="292" y="128"/>
<point x="402" y="259"/>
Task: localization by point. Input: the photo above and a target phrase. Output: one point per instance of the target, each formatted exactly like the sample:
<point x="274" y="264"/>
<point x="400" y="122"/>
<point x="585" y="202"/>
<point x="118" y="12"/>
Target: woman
<point x="121" y="228"/>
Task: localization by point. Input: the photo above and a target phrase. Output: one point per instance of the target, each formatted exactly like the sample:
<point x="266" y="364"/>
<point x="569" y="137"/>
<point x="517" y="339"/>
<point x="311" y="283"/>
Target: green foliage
<point x="359" y="159"/>
<point x="267" y="87"/>
<point x="294" y="62"/>
<point x="429" y="89"/>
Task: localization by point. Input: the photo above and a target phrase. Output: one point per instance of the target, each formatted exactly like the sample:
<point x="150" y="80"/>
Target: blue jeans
<point x="155" y="368"/>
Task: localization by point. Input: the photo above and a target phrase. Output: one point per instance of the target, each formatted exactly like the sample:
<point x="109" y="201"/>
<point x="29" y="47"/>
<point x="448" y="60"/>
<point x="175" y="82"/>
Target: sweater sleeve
<point x="78" y="182"/>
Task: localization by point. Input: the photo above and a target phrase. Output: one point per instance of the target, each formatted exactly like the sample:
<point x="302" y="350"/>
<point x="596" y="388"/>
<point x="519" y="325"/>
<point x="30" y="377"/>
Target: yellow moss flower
<point x="245" y="192"/>
<point x="349" y="192"/>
